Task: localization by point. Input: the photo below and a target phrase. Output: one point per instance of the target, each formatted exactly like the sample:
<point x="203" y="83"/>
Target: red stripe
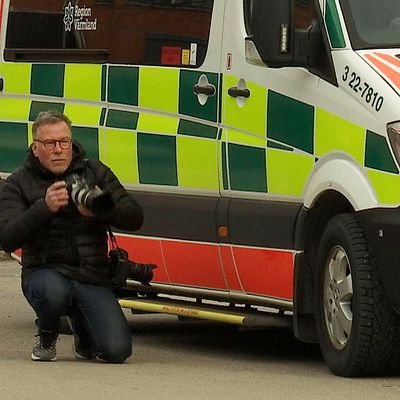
<point x="182" y="263"/>
<point x="253" y="270"/>
<point x="257" y="271"/>
<point x="146" y="251"/>
<point x="387" y="57"/>
<point x="228" y="264"/>
<point x="265" y="272"/>
<point x="194" y="264"/>
<point x="1" y="12"/>
<point x="390" y="73"/>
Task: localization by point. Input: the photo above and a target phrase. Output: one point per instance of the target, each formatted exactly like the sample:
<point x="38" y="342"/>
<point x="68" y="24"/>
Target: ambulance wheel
<point x="358" y="332"/>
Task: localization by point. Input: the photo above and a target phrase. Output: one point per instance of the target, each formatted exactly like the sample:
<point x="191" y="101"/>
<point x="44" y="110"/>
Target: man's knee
<point x="116" y="352"/>
<point x="50" y="289"/>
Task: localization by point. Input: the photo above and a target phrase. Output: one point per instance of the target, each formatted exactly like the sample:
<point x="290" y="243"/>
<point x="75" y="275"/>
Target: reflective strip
<point x="191" y="128"/>
<point x="122" y="119"/>
<point x="243" y="138"/>
<point x="247" y="162"/>
<point x="378" y="155"/>
<point x="81" y="114"/>
<point x="388" y="72"/>
<point x="82" y="82"/>
<point x="88" y="137"/>
<point x="223" y="161"/>
<point x="39" y="106"/>
<point x="13" y="144"/>
<point x="334" y="133"/>
<point x="190" y="103"/>
<point x="1" y="13"/>
<point x="30" y="135"/>
<point x="12" y="109"/>
<point x="158" y="89"/>
<point x="157" y="159"/>
<point x="118" y="149"/>
<point x="197" y="163"/>
<point x="387" y="186"/>
<point x="288" y="172"/>
<point x="224" y="135"/>
<point x="253" y="116"/>
<point x="122" y="85"/>
<point x="151" y="123"/>
<point x="333" y="24"/>
<point x="247" y="168"/>
<point x="48" y="79"/>
<point x="290" y="122"/>
<point x="17" y="78"/>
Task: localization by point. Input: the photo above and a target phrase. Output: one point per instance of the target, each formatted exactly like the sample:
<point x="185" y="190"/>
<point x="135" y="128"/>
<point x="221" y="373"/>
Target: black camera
<point x="92" y="198"/>
<point x="122" y="268"/>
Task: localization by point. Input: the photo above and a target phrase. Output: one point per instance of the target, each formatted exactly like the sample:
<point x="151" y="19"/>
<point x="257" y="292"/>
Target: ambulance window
<point x="248" y="9"/>
<point x="143" y="32"/>
<point x="304" y="14"/>
<point x="373" y="24"/>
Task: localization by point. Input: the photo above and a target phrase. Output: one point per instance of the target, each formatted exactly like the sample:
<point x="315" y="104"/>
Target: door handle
<point x="208" y="90"/>
<point x="236" y="92"/>
<point x="1" y="84"/>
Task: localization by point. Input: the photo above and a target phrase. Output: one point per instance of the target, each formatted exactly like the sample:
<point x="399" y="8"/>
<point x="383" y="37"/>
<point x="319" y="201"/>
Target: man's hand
<point x="56" y="196"/>
<point x="85" y="211"/>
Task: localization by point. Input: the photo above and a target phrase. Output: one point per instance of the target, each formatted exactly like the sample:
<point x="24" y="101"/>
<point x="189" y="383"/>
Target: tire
<point x="357" y="329"/>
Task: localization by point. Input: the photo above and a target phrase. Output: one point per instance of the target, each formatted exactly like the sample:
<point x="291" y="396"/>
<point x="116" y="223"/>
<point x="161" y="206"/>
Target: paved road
<point x="173" y="360"/>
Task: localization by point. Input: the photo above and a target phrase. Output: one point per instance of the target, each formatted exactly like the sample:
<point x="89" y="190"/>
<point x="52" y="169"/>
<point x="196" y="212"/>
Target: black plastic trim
<point x="382" y="230"/>
<point x="176" y="216"/>
<point x="260" y="223"/>
<point x="263" y="223"/>
<point x="57" y="55"/>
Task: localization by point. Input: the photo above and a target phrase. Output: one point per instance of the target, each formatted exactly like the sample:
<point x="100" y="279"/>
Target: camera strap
<point x="113" y="240"/>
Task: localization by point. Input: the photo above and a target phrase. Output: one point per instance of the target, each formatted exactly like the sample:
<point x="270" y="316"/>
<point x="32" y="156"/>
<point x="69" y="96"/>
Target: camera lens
<point x="141" y="272"/>
<point x="94" y="199"/>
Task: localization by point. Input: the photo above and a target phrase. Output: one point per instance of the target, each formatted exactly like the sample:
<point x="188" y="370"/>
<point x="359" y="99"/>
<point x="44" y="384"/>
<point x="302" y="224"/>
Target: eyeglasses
<point x="64" y="143"/>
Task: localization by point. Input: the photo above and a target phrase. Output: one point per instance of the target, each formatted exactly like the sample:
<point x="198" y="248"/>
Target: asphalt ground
<point x="172" y="360"/>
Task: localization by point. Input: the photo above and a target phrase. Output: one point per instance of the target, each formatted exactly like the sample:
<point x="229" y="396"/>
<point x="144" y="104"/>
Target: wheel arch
<point x="309" y="228"/>
<point x="338" y="184"/>
<point x="341" y="173"/>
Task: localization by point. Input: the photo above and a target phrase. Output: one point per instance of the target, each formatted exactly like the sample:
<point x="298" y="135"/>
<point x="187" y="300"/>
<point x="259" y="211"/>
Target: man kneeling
<point x="64" y="245"/>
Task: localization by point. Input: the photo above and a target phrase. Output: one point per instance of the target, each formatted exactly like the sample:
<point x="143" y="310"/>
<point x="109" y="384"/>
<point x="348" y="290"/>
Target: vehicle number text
<point x="363" y="89"/>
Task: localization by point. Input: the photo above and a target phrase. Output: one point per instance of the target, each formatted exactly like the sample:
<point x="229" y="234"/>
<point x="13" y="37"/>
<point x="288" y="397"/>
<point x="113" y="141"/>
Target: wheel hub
<point x="338" y="296"/>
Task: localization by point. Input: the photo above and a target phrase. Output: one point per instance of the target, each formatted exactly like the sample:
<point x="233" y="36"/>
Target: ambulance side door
<point x="268" y="150"/>
<point x="161" y="132"/>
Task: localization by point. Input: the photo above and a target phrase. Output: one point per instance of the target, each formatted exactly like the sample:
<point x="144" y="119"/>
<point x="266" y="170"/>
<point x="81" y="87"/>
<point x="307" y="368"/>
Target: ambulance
<point x="261" y="137"/>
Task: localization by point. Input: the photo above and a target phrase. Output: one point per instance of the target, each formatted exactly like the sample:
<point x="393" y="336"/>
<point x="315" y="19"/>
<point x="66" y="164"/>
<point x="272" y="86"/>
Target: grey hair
<point x="49" y="117"/>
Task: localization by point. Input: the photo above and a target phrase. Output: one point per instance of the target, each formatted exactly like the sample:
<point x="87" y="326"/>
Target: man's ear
<point x="34" y="148"/>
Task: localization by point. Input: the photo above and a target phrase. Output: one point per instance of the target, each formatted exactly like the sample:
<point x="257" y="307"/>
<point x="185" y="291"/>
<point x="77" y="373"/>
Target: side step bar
<point x="250" y="318"/>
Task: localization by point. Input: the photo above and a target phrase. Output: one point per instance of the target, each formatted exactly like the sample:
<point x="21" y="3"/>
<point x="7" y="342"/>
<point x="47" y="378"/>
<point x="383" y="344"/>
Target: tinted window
<point x="372" y="23"/>
<point x="152" y="32"/>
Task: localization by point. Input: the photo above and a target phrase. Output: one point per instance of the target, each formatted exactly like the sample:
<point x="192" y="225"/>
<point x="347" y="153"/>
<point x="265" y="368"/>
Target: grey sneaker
<point x="45" y="347"/>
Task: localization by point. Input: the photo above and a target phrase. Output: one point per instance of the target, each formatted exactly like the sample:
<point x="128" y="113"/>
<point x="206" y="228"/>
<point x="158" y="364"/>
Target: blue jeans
<point x="98" y="318"/>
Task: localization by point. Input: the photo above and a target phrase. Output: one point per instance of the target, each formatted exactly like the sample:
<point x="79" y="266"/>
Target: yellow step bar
<point x="236" y="316"/>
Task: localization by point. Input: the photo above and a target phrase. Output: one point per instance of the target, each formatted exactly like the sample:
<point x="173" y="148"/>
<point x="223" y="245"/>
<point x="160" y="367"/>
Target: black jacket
<point x="66" y="241"/>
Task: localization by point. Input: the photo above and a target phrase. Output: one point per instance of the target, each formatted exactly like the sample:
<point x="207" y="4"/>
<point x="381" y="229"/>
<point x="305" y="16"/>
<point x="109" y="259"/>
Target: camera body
<point x="121" y="268"/>
<point x="92" y="198"/>
<point x="100" y="203"/>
